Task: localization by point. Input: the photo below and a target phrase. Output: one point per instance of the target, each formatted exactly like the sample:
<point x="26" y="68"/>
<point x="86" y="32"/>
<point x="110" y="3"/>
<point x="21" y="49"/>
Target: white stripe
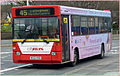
<point x="14" y="68"/>
<point x="5" y="56"/>
<point x="7" y="60"/>
<point x="5" y="52"/>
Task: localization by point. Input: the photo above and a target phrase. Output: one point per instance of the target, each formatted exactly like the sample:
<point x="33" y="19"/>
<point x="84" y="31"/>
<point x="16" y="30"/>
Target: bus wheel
<point x="75" y="59"/>
<point x="102" y="54"/>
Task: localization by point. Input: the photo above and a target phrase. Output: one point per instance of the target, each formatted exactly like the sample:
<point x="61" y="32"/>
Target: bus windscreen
<point x="36" y="28"/>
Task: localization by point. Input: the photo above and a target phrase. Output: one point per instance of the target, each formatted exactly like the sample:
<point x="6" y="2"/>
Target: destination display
<point x="34" y="11"/>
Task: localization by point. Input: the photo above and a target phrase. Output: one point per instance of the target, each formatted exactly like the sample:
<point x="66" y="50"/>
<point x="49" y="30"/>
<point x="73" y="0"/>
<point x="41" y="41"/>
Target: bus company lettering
<point x="34" y="49"/>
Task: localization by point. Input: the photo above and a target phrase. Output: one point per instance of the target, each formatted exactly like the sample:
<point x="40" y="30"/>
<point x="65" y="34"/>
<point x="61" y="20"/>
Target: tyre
<point x="102" y="54"/>
<point x="75" y="59"/>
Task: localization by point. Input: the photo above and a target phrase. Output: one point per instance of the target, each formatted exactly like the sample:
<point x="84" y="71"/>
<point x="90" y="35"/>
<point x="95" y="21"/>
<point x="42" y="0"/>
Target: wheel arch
<point x="77" y="50"/>
<point x="103" y="45"/>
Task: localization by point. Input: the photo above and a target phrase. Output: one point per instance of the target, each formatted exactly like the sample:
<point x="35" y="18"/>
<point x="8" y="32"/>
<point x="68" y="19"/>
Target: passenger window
<point x="91" y="25"/>
<point x="101" y="25"/>
<point x="106" y="24"/>
<point x="84" y="26"/>
<point x="109" y="24"/>
<point x="75" y="25"/>
<point x="96" y="25"/>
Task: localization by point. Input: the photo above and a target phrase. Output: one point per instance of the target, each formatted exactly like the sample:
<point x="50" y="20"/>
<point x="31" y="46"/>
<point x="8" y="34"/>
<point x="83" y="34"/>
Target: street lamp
<point x="27" y="2"/>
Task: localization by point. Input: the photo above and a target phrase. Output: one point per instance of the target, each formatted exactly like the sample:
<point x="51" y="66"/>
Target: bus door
<point x="65" y="38"/>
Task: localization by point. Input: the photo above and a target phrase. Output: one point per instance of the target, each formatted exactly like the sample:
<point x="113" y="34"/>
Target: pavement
<point x="89" y="66"/>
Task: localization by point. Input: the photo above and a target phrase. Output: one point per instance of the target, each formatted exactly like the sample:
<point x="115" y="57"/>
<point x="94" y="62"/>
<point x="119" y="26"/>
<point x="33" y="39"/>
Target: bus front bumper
<point x="38" y="59"/>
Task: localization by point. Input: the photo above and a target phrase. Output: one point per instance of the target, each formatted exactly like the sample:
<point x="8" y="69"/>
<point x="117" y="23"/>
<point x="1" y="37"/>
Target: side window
<point x="75" y="25"/>
<point x="106" y="24"/>
<point x="84" y="26"/>
<point x="101" y="25"/>
<point x="109" y="25"/>
<point x="16" y="23"/>
<point x="96" y="25"/>
<point x="91" y="25"/>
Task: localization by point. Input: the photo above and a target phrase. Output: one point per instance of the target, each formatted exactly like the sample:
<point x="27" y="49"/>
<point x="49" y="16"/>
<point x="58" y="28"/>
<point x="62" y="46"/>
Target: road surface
<point x="90" y="66"/>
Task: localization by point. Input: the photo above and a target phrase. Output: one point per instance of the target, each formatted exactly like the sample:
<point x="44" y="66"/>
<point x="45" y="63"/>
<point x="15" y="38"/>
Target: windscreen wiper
<point x="24" y="41"/>
<point x="46" y="41"/>
<point x="43" y="40"/>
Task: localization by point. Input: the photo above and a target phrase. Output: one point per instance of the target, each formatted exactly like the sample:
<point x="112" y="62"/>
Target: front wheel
<point x="75" y="59"/>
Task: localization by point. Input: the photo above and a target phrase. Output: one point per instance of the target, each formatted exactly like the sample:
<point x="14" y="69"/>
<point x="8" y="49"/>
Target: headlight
<point x="17" y="53"/>
<point x="53" y="53"/>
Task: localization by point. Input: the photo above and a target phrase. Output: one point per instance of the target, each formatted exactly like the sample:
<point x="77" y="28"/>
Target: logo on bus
<point x="34" y="49"/>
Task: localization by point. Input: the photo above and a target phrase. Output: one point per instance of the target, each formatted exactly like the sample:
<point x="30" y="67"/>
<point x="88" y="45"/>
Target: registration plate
<point x="35" y="57"/>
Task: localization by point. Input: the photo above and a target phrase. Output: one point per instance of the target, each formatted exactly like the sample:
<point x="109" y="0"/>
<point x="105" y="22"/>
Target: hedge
<point x="6" y="28"/>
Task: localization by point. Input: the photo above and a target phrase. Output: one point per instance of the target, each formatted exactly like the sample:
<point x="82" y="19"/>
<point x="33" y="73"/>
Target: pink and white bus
<point x="56" y="34"/>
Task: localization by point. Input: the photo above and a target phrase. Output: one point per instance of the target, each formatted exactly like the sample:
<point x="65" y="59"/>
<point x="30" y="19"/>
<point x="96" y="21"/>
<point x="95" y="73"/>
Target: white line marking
<point x="5" y="56"/>
<point x="113" y="50"/>
<point x="7" y="60"/>
<point x="14" y="68"/>
<point x="5" y="52"/>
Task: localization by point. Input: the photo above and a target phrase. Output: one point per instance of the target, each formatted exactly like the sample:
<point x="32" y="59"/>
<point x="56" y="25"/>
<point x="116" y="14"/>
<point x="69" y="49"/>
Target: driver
<point x="28" y="28"/>
<point x="32" y="31"/>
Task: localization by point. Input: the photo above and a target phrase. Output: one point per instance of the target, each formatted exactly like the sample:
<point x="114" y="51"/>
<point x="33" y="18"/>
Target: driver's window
<point x="16" y="27"/>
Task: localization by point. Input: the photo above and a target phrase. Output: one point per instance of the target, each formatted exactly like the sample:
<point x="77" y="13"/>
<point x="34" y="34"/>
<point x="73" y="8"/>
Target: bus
<point x="54" y="34"/>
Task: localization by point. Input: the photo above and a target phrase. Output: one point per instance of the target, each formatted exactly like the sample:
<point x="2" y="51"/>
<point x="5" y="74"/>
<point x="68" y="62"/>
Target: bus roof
<point x="83" y="11"/>
<point x="75" y="10"/>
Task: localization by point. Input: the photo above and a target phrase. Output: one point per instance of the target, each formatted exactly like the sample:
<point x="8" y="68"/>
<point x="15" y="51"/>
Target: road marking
<point x="113" y="50"/>
<point x="14" y="68"/>
<point x="112" y="73"/>
<point x="5" y="56"/>
<point x="5" y="52"/>
<point x="7" y="60"/>
<point x="6" y="45"/>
